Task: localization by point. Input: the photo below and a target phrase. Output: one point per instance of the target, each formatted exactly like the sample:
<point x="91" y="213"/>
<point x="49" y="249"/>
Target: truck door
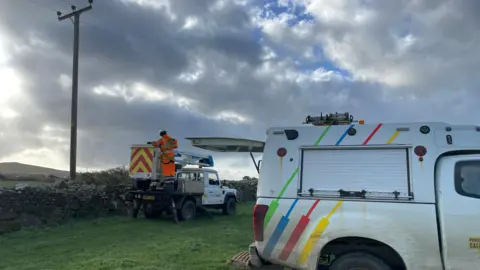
<point x="213" y="190"/>
<point x="458" y="198"/>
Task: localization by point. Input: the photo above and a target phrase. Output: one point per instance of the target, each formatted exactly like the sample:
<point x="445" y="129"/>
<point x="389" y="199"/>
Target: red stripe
<point x="312" y="208"/>
<point x="292" y="241"/>
<point x="141" y="159"/>
<point x="297" y="232"/>
<point x="132" y="156"/>
<point x="135" y="152"/>
<point x="147" y="152"/>
<point x="145" y="164"/>
<point x="137" y="161"/>
<point x="373" y="133"/>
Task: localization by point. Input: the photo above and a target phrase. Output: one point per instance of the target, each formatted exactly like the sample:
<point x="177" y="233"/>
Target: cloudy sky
<point x="226" y="68"/>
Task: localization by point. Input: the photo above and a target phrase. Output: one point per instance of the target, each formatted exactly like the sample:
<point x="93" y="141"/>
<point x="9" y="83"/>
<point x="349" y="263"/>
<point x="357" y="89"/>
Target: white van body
<point x="406" y="193"/>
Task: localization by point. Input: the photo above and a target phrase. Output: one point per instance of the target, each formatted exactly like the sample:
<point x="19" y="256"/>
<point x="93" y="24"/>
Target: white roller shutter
<point x="377" y="170"/>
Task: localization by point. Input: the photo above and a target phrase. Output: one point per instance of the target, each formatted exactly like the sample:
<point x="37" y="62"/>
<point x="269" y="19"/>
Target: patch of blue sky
<point x="271" y="10"/>
<point x="322" y="61"/>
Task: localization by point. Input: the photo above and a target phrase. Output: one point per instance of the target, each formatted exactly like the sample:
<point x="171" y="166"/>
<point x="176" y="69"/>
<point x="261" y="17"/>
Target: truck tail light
<point x="259" y="213"/>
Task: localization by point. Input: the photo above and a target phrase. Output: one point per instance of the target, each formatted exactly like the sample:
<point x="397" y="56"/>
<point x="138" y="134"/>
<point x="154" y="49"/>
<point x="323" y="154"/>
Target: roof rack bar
<point x="330" y="119"/>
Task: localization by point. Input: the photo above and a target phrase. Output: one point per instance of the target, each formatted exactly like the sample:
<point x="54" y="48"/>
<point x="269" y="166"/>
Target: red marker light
<point x="259" y="213"/>
<point x="420" y="151"/>
<point x="281" y="152"/>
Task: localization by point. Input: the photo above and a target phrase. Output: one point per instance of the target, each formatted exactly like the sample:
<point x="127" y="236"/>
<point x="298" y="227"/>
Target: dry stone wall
<point x="52" y="204"/>
<point x="93" y="195"/>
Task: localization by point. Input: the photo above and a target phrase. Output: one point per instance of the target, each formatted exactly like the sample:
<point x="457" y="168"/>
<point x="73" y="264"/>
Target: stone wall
<point x="93" y="195"/>
<point x="53" y="204"/>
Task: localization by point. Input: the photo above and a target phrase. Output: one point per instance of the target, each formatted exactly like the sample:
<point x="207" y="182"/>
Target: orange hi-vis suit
<point x="167" y="156"/>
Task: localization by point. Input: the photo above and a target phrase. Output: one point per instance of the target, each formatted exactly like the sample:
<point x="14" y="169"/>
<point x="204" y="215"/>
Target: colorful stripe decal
<point x="393" y="137"/>
<point x="277" y="233"/>
<point x="372" y="134"/>
<point x="321" y="136"/>
<point x="297" y="232"/>
<point x="316" y="234"/>
<point x="272" y="208"/>
<point x="344" y="135"/>
<point x="274" y="204"/>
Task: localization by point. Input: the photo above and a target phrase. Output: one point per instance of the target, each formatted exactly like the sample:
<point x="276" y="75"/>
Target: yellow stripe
<point x="393" y="137"/>
<point x="139" y="166"/>
<point x="140" y="153"/>
<point x="132" y="157"/>
<point x="147" y="159"/>
<point x="316" y="234"/>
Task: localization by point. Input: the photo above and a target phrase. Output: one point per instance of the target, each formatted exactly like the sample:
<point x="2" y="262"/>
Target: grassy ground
<point x="123" y="243"/>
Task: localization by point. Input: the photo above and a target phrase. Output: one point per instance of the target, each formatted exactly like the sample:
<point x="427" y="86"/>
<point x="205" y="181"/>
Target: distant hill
<point x="15" y="168"/>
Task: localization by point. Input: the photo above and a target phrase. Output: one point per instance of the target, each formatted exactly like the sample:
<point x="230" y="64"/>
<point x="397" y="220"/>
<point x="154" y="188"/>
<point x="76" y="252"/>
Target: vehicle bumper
<point x="255" y="259"/>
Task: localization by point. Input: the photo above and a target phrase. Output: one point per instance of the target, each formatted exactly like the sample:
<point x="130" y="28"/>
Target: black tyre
<point x="359" y="261"/>
<point x="188" y="210"/>
<point x="230" y="206"/>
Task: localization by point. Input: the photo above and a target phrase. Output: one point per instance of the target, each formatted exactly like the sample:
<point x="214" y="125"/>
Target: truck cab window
<point x="213" y="179"/>
<point x="198" y="177"/>
<point x="467" y="178"/>
<point x="183" y="176"/>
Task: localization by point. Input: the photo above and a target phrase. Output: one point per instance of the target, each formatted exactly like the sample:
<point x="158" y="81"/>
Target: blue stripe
<point x="344" y="135"/>
<point x="282" y="224"/>
<point x="277" y="233"/>
<point x="291" y="208"/>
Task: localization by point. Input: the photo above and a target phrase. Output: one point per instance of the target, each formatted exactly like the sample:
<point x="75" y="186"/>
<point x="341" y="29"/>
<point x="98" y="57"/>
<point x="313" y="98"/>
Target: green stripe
<point x="321" y="136"/>
<point x="272" y="208"/>
<point x="287" y="184"/>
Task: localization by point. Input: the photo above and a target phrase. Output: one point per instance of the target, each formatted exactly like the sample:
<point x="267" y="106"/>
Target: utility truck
<point x="341" y="194"/>
<point x="191" y="189"/>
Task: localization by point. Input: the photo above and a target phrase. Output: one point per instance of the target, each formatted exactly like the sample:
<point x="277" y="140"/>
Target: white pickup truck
<point x="345" y="195"/>
<point x="192" y="189"/>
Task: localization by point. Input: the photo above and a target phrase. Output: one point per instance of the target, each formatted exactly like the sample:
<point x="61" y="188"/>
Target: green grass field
<point x="124" y="243"/>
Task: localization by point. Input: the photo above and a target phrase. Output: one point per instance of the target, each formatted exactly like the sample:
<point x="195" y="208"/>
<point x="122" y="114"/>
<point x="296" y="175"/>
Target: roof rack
<point x="330" y="119"/>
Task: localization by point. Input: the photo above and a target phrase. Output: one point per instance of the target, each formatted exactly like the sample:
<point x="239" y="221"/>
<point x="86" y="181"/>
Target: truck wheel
<point x="359" y="260"/>
<point x="188" y="210"/>
<point x="230" y="206"/>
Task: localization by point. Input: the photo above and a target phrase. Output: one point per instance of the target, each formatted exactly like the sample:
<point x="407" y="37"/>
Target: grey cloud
<point x="122" y="44"/>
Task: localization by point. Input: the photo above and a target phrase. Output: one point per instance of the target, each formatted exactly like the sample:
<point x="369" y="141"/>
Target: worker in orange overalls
<point x="167" y="156"/>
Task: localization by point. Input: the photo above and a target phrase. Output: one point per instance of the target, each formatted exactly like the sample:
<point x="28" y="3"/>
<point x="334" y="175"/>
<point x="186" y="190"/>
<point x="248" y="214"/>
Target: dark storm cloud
<point x="122" y="44"/>
<point x="119" y="43"/>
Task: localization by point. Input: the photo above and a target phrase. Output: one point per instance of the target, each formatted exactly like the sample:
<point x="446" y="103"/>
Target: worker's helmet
<point x="162" y="132"/>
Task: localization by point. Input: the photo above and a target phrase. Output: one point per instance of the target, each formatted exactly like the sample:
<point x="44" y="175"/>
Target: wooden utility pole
<point x="76" y="37"/>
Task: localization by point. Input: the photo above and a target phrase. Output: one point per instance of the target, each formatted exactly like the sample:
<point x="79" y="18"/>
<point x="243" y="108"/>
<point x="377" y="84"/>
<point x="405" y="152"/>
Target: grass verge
<point x="124" y="243"/>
